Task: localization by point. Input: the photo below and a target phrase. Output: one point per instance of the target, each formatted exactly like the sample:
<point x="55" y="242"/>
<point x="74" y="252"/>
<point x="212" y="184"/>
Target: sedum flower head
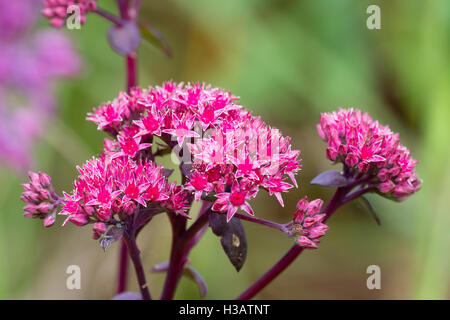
<point x="107" y="191"/>
<point x="57" y="10"/>
<point x="307" y="225"/>
<point x="232" y="154"/>
<point x="369" y="149"/>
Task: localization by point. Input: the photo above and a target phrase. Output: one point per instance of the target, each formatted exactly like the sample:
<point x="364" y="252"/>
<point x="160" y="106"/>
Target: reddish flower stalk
<point x="267" y="223"/>
<point x="132" y="80"/>
<point x="123" y="256"/>
<point x="182" y="242"/>
<point x="130" y="241"/>
<point x="108" y="16"/>
<point x="123" y="268"/>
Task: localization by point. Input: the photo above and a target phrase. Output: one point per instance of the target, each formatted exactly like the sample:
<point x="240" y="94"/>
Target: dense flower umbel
<point x="307" y="226"/>
<point x="232" y="152"/>
<point x="109" y="190"/>
<point x="56" y="10"/>
<point x="42" y="201"/>
<point x="370" y="150"/>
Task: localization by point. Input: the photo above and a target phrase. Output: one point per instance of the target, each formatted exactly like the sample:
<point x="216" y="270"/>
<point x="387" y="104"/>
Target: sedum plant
<point x="226" y="156"/>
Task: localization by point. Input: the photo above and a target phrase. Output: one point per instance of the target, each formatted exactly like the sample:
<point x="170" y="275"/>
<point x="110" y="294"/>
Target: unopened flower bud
<point x="44" y="194"/>
<point x="45" y="180"/>
<point x="306" y="242"/>
<point x="50" y="220"/>
<point x="44" y="207"/>
<point x="79" y="219"/>
<point x="99" y="228"/>
<point x="129" y="207"/>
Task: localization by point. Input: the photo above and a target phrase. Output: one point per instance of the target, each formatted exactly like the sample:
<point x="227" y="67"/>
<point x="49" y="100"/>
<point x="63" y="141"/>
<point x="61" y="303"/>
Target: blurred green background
<point x="288" y="61"/>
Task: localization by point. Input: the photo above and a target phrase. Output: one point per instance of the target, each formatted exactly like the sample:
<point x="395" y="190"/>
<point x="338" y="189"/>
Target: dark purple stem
<point x="131" y="60"/>
<point x="177" y="259"/>
<point x="130" y="83"/>
<point x="267" y="223"/>
<point x="182" y="242"/>
<point x="123" y="267"/>
<point x="336" y="201"/>
<point x="108" y="16"/>
<point x="130" y="241"/>
<point x="123" y="258"/>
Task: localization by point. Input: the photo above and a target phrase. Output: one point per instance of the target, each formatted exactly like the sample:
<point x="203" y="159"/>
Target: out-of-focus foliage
<point x="289" y="61"/>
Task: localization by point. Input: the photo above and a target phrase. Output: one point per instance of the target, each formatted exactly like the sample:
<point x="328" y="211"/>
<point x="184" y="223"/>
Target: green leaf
<point x="371" y="209"/>
<point x="155" y="37"/>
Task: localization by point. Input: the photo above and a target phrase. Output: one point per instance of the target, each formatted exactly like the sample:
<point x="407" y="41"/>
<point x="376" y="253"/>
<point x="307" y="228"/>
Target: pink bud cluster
<point x="57" y="10"/>
<point x="370" y="150"/>
<point x="107" y="191"/>
<point x="307" y="225"/>
<point x="232" y="152"/>
<point x="40" y="197"/>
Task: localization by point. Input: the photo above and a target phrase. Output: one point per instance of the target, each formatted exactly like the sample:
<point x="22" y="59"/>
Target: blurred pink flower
<point x="29" y="63"/>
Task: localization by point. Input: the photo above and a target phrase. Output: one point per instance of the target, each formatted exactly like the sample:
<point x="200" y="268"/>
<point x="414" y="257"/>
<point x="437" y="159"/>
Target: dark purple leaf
<point x="112" y="235"/>
<point x="167" y="173"/>
<point x="233" y="239"/>
<point x="161" y="267"/>
<point x="152" y="35"/>
<point x="331" y="178"/>
<point x="124" y="39"/>
<point x="198" y="279"/>
<point x="128" y="295"/>
<point x="186" y="169"/>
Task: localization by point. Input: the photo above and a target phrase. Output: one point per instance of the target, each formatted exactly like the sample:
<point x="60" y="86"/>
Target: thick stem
<point x="131" y="60"/>
<point x="336" y="201"/>
<point x="123" y="267"/>
<point x="123" y="262"/>
<point x="131" y="82"/>
<point x="177" y="260"/>
<point x="182" y="242"/>
<point x="130" y="241"/>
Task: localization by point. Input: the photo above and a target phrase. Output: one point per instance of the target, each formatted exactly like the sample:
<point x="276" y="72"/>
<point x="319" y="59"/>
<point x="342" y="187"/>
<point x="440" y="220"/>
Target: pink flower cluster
<point x="108" y="190"/>
<point x="40" y="197"/>
<point x="307" y="226"/>
<point x="232" y="152"/>
<point x="56" y="10"/>
<point x="30" y="62"/>
<point x="370" y="150"/>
